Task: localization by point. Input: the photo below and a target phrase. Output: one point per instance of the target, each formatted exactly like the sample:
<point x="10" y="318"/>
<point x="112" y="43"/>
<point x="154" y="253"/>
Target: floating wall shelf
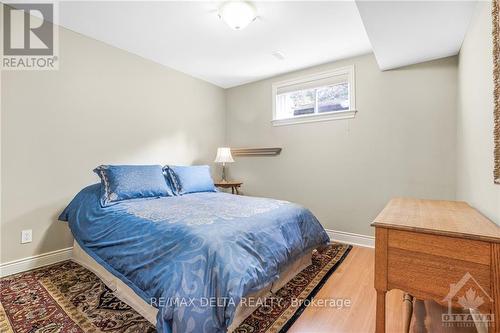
<point x="255" y="151"/>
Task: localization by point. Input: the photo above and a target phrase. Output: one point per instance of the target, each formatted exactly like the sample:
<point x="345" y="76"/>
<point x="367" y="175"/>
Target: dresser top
<point x="449" y="218"/>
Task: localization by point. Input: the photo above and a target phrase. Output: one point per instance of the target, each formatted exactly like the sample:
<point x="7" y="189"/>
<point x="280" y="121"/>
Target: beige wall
<point x="401" y="143"/>
<point x="475" y="117"/>
<point x="104" y="105"/>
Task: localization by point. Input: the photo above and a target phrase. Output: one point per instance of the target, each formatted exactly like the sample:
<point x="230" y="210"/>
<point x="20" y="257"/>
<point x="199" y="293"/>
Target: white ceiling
<point x="409" y="32"/>
<point x="190" y="37"/>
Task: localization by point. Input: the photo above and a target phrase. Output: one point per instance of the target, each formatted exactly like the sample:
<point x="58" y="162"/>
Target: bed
<point x="186" y="262"/>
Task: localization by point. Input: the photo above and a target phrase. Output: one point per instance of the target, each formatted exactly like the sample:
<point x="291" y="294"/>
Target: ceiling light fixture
<point x="237" y="14"/>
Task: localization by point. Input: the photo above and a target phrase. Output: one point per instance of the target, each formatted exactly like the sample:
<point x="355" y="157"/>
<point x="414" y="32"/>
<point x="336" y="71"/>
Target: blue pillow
<point x="190" y="179"/>
<point x="123" y="182"/>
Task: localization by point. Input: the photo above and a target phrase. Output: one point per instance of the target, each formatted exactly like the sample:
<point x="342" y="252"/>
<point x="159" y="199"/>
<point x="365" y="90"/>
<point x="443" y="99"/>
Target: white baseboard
<point x="26" y="264"/>
<point x="350" y="238"/>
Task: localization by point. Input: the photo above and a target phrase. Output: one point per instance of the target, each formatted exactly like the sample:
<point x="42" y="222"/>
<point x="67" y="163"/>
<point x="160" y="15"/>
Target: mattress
<point x="127" y="295"/>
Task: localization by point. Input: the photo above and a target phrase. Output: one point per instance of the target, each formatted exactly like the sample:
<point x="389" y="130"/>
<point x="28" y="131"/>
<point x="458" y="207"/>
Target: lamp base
<point x="223" y="178"/>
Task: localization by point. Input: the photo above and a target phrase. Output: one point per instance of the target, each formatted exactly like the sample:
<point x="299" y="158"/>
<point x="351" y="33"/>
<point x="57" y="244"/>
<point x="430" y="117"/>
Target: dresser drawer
<point x="425" y="265"/>
<point x="441" y="246"/>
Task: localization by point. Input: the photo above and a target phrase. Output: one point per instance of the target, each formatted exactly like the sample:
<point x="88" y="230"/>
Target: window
<point x="323" y="96"/>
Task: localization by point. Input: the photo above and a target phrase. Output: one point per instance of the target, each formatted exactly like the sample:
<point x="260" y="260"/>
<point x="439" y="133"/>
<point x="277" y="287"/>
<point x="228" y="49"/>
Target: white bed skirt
<point x="127" y="295"/>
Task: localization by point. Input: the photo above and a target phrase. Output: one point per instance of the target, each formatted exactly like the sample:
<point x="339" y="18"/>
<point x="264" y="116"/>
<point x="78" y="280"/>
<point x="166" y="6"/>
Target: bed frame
<point x="127" y="295"/>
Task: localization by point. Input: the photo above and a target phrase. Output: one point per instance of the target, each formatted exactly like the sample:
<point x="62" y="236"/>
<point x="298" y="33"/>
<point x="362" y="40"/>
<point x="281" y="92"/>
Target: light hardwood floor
<point x="354" y="280"/>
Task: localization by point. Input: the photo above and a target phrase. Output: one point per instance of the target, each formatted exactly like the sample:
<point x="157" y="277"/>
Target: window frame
<point x="348" y="71"/>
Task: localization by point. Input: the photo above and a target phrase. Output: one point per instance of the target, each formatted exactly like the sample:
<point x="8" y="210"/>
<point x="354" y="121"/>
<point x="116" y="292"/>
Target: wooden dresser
<point x="439" y="250"/>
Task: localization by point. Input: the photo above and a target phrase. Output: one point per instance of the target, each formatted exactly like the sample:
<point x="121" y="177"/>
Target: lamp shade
<point x="224" y="155"/>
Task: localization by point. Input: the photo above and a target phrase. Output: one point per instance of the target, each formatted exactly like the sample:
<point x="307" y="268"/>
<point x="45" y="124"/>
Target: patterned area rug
<point x="64" y="298"/>
<point x="282" y="309"/>
<point x="68" y="298"/>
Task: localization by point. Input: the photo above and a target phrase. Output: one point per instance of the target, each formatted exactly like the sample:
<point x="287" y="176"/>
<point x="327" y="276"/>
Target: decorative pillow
<point x="190" y="179"/>
<point x="123" y="182"/>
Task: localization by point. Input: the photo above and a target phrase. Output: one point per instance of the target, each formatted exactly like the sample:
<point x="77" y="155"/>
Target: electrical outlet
<point x="26" y="236"/>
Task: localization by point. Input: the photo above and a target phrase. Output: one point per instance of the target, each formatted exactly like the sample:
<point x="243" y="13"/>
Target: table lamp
<point x="224" y="156"/>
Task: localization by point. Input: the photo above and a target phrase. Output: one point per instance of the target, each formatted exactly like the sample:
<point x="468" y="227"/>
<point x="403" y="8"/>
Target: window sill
<point x="338" y="115"/>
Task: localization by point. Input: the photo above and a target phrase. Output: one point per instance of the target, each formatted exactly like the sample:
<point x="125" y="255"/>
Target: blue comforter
<point x="196" y="255"/>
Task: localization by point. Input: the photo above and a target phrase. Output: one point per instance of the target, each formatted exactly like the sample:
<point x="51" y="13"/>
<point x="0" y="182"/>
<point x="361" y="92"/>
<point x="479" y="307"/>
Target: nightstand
<point x="232" y="184"/>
